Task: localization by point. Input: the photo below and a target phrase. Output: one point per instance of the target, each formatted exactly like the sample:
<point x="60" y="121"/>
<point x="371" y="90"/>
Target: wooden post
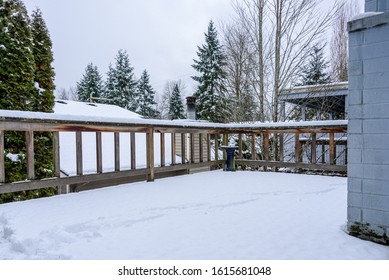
<point x="173" y="141"/>
<point x="297" y="148"/>
<point x="2" y="162"/>
<point x="225" y="143"/>
<point x="253" y="150"/>
<point x="183" y="148"/>
<point x="132" y="150"/>
<point x="332" y="149"/>
<point x="30" y="155"/>
<point x="313" y="148"/>
<point x="201" y="150"/>
<point x="323" y="153"/>
<point x="56" y="154"/>
<point x="266" y="148"/>
<point x="150" y="154"/>
<point x="117" y="151"/>
<point x="162" y="135"/>
<point x="192" y="148"/>
<point x="240" y="145"/>
<point x="99" y="153"/>
<point x="208" y="147"/>
<point x="282" y="147"/>
<point x="216" y="146"/>
<point x="79" y="164"/>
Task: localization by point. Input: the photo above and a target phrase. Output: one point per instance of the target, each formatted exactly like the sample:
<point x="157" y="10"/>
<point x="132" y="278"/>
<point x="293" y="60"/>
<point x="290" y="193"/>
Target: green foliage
<point x="121" y="85"/>
<point x="211" y="103"/>
<point x="176" y="107"/>
<point x="145" y="97"/>
<point x="314" y="72"/>
<point x="91" y="86"/>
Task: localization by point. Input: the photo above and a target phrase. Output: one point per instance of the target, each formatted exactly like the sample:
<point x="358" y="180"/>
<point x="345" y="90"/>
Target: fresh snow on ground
<point x="212" y="215"/>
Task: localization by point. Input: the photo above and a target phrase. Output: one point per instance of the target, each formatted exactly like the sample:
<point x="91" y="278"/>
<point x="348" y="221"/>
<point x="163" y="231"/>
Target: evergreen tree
<point x="314" y="72"/>
<point x="176" y="107"/>
<point x="145" y="98"/>
<point x="211" y="103"/>
<point x="44" y="72"/>
<point x="17" y="66"/>
<point x="91" y="86"/>
<point x="121" y="85"/>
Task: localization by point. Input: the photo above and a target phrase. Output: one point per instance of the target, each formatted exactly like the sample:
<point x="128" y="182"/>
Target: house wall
<point x="368" y="168"/>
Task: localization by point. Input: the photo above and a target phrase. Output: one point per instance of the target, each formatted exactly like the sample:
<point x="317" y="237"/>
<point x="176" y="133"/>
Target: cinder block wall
<point x="368" y="139"/>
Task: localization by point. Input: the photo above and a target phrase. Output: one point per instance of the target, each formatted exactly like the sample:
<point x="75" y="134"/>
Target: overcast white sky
<point x="160" y="35"/>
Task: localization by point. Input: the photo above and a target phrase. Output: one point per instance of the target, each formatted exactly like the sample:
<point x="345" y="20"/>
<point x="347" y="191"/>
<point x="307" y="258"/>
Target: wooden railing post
<point x="162" y="135"/>
<point x="240" y="146"/>
<point x="30" y="155"/>
<point x="173" y="142"/>
<point x="117" y="151"/>
<point x="99" y="153"/>
<point x="79" y="163"/>
<point x="56" y="154"/>
<point x="282" y="150"/>
<point x="253" y="150"/>
<point x="201" y="149"/>
<point x="209" y="147"/>
<point x="183" y="148"/>
<point x="313" y="148"/>
<point x="132" y="150"/>
<point x="297" y="148"/>
<point x="2" y="163"/>
<point x="150" y="154"/>
<point x="266" y="148"/>
<point x="192" y="148"/>
<point x="216" y="146"/>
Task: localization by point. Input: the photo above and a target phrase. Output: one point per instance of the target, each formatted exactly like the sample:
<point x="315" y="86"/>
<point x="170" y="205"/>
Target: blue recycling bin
<point x="230" y="161"/>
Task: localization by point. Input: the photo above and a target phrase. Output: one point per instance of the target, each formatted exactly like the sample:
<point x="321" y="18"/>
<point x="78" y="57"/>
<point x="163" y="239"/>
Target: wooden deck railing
<point x="197" y="143"/>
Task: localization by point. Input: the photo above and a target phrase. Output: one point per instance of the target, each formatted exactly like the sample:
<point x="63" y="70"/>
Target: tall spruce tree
<point x="121" y="85"/>
<point x="91" y="87"/>
<point x="176" y="107"/>
<point x="211" y="103"/>
<point x="314" y="72"/>
<point x="145" y="97"/>
<point x="43" y="56"/>
<point x="17" y="66"/>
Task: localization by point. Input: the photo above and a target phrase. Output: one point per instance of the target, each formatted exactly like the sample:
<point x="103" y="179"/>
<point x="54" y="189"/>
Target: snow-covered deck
<point x="212" y="215"/>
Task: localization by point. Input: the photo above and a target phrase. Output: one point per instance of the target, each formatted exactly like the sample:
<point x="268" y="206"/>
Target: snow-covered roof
<point x="76" y="108"/>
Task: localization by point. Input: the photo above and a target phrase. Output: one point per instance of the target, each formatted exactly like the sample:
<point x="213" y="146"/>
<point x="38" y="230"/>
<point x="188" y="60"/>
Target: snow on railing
<point x="95" y="152"/>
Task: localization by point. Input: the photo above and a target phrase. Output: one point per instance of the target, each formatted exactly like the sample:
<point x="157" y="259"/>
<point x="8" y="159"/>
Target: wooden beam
<point x="183" y="148"/>
<point x="30" y="155"/>
<point x="99" y="153"/>
<point x="173" y="142"/>
<point x="314" y="148"/>
<point x="56" y="154"/>
<point x="192" y="148"/>
<point x="240" y="145"/>
<point x="79" y="162"/>
<point x="332" y="148"/>
<point x="150" y="153"/>
<point x="2" y="160"/>
<point x="162" y="136"/>
<point x="253" y="150"/>
<point x="132" y="150"/>
<point x="201" y="149"/>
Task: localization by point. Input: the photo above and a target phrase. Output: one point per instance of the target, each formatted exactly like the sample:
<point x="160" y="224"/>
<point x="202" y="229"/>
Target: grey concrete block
<point x="355" y="126"/>
<point x="376" y="202"/>
<point x="356" y="39"/>
<point x="354" y="185"/>
<point x="355" y="97"/>
<point x="355" y="141"/>
<point x="375" y="217"/>
<point x="355" y="199"/>
<point x="376" y="80"/>
<point x="354" y="155"/>
<point x="376" y="126"/>
<point x="375" y="96"/>
<point x="354" y="214"/>
<point x="374" y="156"/>
<point x="375" y="171"/>
<point x="355" y="112"/>
<point x="355" y="53"/>
<point x="371" y="5"/>
<point x="355" y="67"/>
<point x="376" y="35"/>
<point x="383" y="6"/>
<point x="376" y="141"/>
<point x="355" y="170"/>
<point x="376" y="111"/>
<point x="376" y="50"/>
<point x="374" y="65"/>
<point x="379" y="187"/>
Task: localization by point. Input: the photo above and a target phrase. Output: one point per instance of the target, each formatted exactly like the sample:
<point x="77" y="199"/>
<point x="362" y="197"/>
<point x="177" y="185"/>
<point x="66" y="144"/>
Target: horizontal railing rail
<point x="149" y="149"/>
